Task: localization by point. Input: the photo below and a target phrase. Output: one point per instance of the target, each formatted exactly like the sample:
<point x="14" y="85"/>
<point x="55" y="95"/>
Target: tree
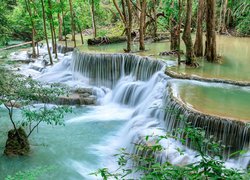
<point x="63" y="22"/>
<point x="72" y="23"/>
<point x="92" y="10"/>
<point x="223" y="11"/>
<point x="27" y="3"/>
<point x="143" y="4"/>
<point x="186" y="37"/>
<point x="129" y="24"/>
<point x="126" y="17"/>
<point x="52" y="28"/>
<point x="154" y="4"/>
<point x="4" y="24"/>
<point x="22" y="93"/>
<point x="45" y="31"/>
<point x="60" y="22"/>
<point x="211" y="35"/>
<point x="174" y="27"/>
<point x="198" y="45"/>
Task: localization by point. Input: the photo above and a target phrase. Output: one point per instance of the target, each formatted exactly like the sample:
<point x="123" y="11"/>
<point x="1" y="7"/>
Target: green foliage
<point x="210" y="165"/>
<point x="23" y="93"/>
<point x="32" y="174"/>
<point x="241" y="14"/>
<point x="4" y="24"/>
<point x="12" y="26"/>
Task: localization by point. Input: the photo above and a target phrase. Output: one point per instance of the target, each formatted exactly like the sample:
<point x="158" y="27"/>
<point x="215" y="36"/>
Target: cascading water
<point x="140" y="83"/>
<point x="107" y="69"/>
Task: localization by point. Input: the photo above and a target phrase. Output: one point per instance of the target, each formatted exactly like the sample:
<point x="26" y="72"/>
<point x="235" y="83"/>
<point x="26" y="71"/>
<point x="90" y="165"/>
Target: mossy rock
<point x="17" y="143"/>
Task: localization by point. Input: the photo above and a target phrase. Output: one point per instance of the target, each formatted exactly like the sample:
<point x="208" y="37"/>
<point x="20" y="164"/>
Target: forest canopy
<point x="15" y="23"/>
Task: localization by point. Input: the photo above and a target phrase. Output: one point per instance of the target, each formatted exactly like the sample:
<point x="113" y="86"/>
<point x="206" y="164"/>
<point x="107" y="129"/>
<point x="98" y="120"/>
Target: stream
<point x="132" y="99"/>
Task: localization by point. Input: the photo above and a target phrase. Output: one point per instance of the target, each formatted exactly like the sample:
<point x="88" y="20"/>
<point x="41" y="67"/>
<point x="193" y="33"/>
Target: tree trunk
<point x="155" y="19"/>
<point x="60" y="24"/>
<point x="45" y="31"/>
<point x="142" y="24"/>
<point x="223" y="27"/>
<point x="52" y="29"/>
<point x="126" y="19"/>
<point x="120" y="12"/>
<point x="92" y="10"/>
<point x="52" y="36"/>
<point x="129" y="25"/>
<point x="179" y="30"/>
<point x="80" y="30"/>
<point x="187" y="35"/>
<point x="211" y="36"/>
<point x="64" y="28"/>
<point x="174" y="43"/>
<point x="55" y="39"/>
<point x="72" y="23"/>
<point x="198" y="45"/>
<point x="138" y="12"/>
<point x="27" y="3"/>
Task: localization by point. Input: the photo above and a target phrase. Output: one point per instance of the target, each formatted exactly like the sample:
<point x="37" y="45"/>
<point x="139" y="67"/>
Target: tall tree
<point x="198" y="45"/>
<point x="174" y="43"/>
<point x="52" y="28"/>
<point x="129" y="25"/>
<point x="27" y="4"/>
<point x="64" y="26"/>
<point x="72" y="23"/>
<point x="142" y="24"/>
<point x="60" y="23"/>
<point x="187" y="35"/>
<point x="210" y="36"/>
<point x="78" y="23"/>
<point x="222" y="24"/>
<point x="92" y="10"/>
<point x="45" y="31"/>
<point x="179" y="30"/>
<point x="126" y="17"/>
<point x="153" y="17"/>
<point x="154" y="12"/>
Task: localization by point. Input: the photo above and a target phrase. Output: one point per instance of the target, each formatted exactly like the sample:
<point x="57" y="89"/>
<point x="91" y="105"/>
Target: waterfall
<point x="107" y="69"/>
<point x="140" y="83"/>
<point x="235" y="135"/>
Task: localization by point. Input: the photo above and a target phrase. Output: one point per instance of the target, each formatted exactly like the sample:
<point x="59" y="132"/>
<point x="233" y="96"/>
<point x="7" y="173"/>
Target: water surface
<point x="235" y="54"/>
<point x="215" y="99"/>
<point x="72" y="150"/>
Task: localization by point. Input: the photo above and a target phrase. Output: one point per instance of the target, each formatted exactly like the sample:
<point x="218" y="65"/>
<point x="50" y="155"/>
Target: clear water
<point x="235" y="53"/>
<point x="215" y="99"/>
<point x="234" y="65"/>
<point x="83" y="145"/>
<point x="72" y="150"/>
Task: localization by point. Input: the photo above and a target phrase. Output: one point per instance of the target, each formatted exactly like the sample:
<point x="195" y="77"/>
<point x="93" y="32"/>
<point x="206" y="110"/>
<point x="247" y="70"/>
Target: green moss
<point x="17" y="143"/>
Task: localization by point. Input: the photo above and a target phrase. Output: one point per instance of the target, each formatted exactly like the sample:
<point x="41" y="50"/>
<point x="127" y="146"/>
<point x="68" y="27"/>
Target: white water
<point x="138" y="101"/>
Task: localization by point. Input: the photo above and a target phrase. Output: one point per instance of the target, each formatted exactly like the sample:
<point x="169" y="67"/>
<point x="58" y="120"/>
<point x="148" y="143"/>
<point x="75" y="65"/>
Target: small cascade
<point x="107" y="69"/>
<point x="235" y="135"/>
<point x="140" y="83"/>
<point x="132" y="93"/>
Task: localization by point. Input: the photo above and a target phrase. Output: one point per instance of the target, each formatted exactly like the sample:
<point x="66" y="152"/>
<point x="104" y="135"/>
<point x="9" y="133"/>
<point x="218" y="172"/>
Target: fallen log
<point x="106" y="40"/>
<point x="17" y="45"/>
<point x="119" y="39"/>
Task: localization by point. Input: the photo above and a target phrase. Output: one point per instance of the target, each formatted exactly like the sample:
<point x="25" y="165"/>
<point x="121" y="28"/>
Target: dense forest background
<point x="59" y="20"/>
<point x="231" y="17"/>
